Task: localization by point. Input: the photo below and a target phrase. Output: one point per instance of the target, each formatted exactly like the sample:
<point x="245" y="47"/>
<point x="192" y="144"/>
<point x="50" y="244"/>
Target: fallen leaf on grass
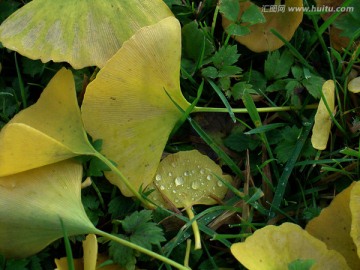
<point x="261" y="38"/>
<point x="275" y="247"/>
<point x="127" y="105"/>
<point x="333" y="226"/>
<point x="355" y="212"/>
<point x="322" y="126"/>
<point x="82" y="33"/>
<point x="354" y="85"/>
<point x="91" y="259"/>
<point x="47" y="132"/>
<point x="188" y="178"/>
<point x="32" y="204"/>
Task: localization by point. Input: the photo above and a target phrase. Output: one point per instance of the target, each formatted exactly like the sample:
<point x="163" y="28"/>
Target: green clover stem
<point x="195" y="228"/>
<point x="260" y="110"/>
<point x="141" y="249"/>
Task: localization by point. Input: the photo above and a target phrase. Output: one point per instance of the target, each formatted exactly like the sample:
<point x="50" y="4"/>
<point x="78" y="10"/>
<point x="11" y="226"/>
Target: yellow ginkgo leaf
<point x="62" y="264"/>
<point x="82" y="33"/>
<point x="188" y="178"/>
<point x="322" y="126"/>
<point x="90" y="247"/>
<point x="275" y="247"/>
<point x="185" y="179"/>
<point x="284" y="21"/>
<point x="91" y="258"/>
<point x="32" y="204"/>
<point x="47" y="132"/>
<point x="354" y="85"/>
<point x="127" y="105"/>
<point x="333" y="225"/>
<point x="355" y="213"/>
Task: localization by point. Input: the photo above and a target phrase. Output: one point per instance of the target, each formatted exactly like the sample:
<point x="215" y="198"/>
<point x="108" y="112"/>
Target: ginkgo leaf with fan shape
<point x="275" y="247"/>
<point x="49" y="131"/>
<point x="82" y="33"/>
<point x="334" y="224"/>
<point x="188" y="178"/>
<point x="261" y="38"/>
<point x="185" y="179"/>
<point x="32" y="204"/>
<point x="128" y="107"/>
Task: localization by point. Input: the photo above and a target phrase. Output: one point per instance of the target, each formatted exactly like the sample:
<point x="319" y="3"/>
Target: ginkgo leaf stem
<point x="124" y="180"/>
<point x="260" y="110"/>
<point x="141" y="249"/>
<point x="195" y="228"/>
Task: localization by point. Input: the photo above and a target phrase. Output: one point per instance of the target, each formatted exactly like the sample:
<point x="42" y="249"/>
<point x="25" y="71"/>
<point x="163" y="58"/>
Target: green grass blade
<point x="188" y="110"/>
<point x="221" y="154"/>
<point x="328" y="21"/>
<point x="262" y="129"/>
<point x="70" y="259"/>
<point x="293" y="50"/>
<point x="255" y="117"/>
<point x="223" y="99"/>
<point x="21" y="83"/>
<point x="283" y="181"/>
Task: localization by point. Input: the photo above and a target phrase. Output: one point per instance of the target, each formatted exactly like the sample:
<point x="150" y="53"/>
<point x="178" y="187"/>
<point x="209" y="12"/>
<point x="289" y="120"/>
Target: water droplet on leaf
<point x="179" y="181"/>
<point x="195" y="185"/>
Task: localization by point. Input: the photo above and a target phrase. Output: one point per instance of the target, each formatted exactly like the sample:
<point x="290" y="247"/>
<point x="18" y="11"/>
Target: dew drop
<point x="195" y="185"/>
<point x="193" y="171"/>
<point x="219" y="183"/>
<point x="158" y="177"/>
<point x="209" y="177"/>
<point x="169" y="174"/>
<point x="174" y="191"/>
<point x="202" y="171"/>
<point x="162" y="187"/>
<point x="173" y="164"/>
<point x="176" y="200"/>
<point x="187" y="173"/>
<point x="179" y="181"/>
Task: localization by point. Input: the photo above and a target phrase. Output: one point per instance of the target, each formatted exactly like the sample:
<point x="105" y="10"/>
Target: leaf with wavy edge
<point x="82" y="33"/>
<point x="333" y="227"/>
<point x="32" y="204"/>
<point x="275" y="247"/>
<point x="188" y="178"/>
<point x="261" y="38"/>
<point x="49" y="131"/>
<point x="127" y="106"/>
<point x="185" y="179"/>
